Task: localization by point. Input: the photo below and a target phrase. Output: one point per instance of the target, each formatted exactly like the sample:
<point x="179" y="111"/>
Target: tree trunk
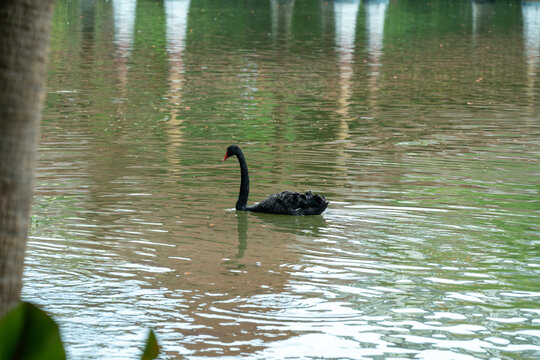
<point x="24" y="44"/>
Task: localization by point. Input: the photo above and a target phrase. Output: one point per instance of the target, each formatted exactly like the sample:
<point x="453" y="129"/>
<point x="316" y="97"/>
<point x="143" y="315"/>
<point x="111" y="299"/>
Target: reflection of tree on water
<point x="531" y="34"/>
<point x="375" y="18"/>
<point x="281" y="13"/>
<point x="124" y="21"/>
<point x="482" y="15"/>
<point x="176" y="20"/>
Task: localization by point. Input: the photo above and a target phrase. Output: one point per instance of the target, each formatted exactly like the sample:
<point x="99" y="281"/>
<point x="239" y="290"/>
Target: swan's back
<point x="291" y="203"/>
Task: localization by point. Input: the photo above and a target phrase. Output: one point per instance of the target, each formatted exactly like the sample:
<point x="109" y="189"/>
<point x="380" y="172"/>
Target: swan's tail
<point x="315" y="203"/>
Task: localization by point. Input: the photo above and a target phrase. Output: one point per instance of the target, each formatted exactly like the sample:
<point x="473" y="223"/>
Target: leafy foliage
<point x="151" y="351"/>
<point x="27" y="332"/>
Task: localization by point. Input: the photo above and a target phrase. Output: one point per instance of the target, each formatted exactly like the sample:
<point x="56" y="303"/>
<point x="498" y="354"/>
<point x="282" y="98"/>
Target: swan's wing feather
<point x="292" y="203"/>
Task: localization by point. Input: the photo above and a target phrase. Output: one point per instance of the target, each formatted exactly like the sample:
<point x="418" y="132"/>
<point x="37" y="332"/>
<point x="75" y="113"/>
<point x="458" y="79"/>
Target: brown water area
<point x="417" y="120"/>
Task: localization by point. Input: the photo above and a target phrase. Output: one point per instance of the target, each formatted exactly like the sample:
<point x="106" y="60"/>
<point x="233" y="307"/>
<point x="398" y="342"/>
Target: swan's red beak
<point x="225" y="158"/>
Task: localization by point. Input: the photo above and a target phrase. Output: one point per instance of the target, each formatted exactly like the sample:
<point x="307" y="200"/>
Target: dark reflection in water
<point x="417" y="120"/>
<point x="298" y="225"/>
<point x="241" y="217"/>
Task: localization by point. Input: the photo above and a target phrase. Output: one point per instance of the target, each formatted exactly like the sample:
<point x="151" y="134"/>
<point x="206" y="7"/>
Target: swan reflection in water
<point x="310" y="226"/>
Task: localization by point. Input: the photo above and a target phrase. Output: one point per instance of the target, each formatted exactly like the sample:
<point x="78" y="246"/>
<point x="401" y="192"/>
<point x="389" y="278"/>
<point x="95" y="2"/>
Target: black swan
<point x="285" y="203"/>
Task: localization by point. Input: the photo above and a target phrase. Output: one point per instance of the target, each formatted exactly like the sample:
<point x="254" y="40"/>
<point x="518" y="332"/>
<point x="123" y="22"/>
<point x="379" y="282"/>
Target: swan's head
<point x="232" y="150"/>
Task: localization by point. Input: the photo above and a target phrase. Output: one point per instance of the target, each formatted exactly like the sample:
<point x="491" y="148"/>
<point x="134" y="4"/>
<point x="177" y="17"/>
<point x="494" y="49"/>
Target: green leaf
<point x="26" y="332"/>
<point x="151" y="351"/>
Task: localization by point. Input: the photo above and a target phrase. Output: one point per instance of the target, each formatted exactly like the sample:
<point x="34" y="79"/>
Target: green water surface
<point x="418" y="120"/>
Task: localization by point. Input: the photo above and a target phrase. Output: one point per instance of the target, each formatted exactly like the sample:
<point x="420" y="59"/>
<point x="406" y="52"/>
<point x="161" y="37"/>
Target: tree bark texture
<point x="24" y="43"/>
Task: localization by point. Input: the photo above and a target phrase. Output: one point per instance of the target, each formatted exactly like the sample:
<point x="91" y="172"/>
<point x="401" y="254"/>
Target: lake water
<point x="419" y="122"/>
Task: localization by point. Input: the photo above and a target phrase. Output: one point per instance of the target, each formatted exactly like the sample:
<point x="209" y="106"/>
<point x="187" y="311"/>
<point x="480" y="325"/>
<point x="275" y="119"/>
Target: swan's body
<point x="285" y="203"/>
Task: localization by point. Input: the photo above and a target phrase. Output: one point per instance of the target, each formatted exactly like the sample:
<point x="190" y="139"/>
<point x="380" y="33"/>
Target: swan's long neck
<point x="241" y="204"/>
